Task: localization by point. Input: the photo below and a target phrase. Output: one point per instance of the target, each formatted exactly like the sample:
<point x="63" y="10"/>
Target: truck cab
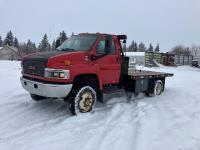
<point x="85" y="59"/>
<point x="81" y="68"/>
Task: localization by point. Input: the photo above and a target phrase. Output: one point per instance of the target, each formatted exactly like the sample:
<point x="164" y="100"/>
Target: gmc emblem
<point x="32" y="67"/>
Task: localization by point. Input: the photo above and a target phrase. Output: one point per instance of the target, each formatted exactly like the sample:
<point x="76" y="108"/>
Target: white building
<point x="9" y="53"/>
<point x="136" y="58"/>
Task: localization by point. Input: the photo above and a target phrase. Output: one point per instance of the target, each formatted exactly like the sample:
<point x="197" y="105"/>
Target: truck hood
<point x="36" y="63"/>
<point x="75" y="57"/>
<point x="43" y="56"/>
<point x="55" y="59"/>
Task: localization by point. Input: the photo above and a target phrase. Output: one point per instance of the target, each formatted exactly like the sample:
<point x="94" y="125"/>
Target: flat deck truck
<point x="82" y="68"/>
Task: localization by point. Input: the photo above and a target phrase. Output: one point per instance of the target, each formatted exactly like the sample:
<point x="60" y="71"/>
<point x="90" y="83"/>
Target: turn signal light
<point x="67" y="62"/>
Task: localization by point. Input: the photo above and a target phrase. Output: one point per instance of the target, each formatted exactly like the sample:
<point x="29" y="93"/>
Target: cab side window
<point x="100" y="48"/>
<point x="106" y="46"/>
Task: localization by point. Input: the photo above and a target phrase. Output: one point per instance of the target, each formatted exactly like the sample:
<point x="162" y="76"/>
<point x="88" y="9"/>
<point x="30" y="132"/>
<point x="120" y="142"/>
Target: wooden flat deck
<point x="148" y="74"/>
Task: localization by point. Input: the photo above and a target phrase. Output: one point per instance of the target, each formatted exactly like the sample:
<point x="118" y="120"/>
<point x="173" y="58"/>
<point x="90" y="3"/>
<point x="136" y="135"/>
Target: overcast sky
<point x="168" y="22"/>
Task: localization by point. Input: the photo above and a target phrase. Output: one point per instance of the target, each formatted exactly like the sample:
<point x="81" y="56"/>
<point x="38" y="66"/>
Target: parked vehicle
<point x="84" y="67"/>
<point x="196" y="62"/>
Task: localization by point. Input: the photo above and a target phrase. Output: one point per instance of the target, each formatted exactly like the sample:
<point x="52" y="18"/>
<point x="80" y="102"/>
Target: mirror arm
<point x="93" y="57"/>
<point x="97" y="57"/>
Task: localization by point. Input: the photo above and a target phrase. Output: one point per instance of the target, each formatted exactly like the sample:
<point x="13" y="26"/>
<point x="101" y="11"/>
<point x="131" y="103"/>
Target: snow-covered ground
<point x="167" y="122"/>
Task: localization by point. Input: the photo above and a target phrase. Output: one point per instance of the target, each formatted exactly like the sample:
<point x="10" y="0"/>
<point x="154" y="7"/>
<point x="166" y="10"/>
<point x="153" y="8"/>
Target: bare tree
<point x="195" y="50"/>
<point x="181" y="50"/>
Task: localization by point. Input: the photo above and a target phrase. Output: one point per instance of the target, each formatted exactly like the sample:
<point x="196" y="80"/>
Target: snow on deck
<point x="167" y="122"/>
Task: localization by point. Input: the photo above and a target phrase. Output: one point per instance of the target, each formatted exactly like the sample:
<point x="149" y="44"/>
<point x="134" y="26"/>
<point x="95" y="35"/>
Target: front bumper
<point x="46" y="90"/>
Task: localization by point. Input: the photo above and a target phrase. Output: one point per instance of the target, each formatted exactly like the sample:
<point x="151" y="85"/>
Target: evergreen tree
<point x="16" y="43"/>
<point x="63" y="37"/>
<point x="150" y="49"/>
<point x="53" y="46"/>
<point x="141" y="47"/>
<point x="157" y="49"/>
<point x="9" y="39"/>
<point x="1" y="42"/>
<point x="44" y="44"/>
<point x="30" y="47"/>
<point x="34" y="47"/>
<point x="133" y="47"/>
<point x="22" y="49"/>
<point x="130" y="48"/>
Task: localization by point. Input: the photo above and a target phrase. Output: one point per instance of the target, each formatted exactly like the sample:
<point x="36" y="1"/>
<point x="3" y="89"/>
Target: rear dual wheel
<point x="158" y="88"/>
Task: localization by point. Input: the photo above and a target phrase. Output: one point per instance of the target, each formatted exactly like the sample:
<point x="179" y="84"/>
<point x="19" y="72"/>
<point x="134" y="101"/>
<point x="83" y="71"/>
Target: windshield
<point x="78" y="42"/>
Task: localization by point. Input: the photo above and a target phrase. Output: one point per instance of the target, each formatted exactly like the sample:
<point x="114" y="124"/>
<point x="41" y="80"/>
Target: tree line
<point x="30" y="46"/>
<point x="186" y="50"/>
<point x="178" y="49"/>
<point x="141" y="47"/>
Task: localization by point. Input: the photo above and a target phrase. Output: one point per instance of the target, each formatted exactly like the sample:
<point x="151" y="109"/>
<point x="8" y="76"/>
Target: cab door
<point x="107" y="60"/>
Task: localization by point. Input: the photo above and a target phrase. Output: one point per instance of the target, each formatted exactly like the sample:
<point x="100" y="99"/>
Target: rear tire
<point x="37" y="97"/>
<point x="158" y="89"/>
<point x="82" y="98"/>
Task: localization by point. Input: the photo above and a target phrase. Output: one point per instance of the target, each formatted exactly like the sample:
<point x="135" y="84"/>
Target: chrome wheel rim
<point x="158" y="89"/>
<point x="86" y="102"/>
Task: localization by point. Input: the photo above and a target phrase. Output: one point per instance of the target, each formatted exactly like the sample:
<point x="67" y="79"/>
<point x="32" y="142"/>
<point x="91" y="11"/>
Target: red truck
<point x="82" y="68"/>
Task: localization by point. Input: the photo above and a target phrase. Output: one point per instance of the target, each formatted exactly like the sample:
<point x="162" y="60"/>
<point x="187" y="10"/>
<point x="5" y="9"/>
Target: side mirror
<point x="58" y="43"/>
<point x="93" y="57"/>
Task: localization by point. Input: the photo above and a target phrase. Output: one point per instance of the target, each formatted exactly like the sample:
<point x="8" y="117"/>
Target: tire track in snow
<point x="119" y="126"/>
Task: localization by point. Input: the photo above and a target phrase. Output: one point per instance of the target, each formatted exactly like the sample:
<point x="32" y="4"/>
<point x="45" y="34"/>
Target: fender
<point x="78" y="70"/>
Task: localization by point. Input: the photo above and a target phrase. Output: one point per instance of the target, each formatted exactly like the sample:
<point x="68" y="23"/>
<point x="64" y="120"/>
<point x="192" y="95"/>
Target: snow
<point x="167" y="122"/>
<point x="134" y="53"/>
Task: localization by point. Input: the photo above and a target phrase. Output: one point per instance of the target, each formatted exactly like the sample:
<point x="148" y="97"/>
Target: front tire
<point x="82" y="99"/>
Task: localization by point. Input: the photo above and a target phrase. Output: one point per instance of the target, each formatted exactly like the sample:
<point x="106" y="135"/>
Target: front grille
<point x="34" y="67"/>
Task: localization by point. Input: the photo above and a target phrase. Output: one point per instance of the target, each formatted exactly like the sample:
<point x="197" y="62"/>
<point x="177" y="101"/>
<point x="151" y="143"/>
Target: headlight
<point x="56" y="73"/>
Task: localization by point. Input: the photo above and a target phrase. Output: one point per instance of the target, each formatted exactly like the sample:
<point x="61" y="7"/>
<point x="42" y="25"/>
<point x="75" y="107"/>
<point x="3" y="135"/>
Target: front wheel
<point x="82" y="100"/>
